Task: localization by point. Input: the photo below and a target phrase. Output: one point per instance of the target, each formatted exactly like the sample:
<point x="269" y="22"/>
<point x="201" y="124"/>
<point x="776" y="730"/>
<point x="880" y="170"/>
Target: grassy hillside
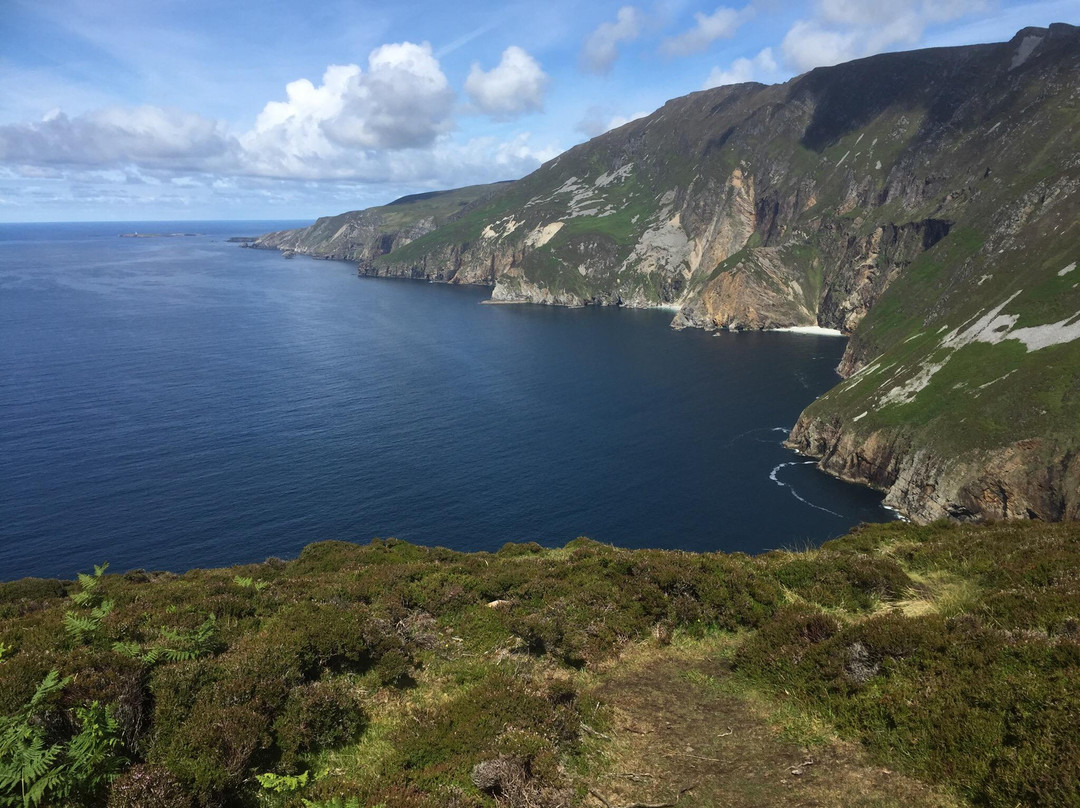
<point x="896" y="666"/>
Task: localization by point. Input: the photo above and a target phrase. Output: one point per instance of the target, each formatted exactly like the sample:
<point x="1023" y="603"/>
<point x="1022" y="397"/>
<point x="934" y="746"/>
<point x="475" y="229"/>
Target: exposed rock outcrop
<point x="1026" y="479"/>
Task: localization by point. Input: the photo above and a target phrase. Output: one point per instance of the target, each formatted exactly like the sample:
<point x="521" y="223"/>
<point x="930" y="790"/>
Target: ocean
<point x="181" y="402"/>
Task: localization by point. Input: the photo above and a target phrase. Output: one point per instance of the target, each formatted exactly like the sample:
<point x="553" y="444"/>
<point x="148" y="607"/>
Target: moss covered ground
<point x="898" y="665"/>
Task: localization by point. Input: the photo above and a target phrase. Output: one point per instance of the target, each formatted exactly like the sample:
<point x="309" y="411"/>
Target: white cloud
<point x="762" y="67"/>
<point x="850" y="29"/>
<point x="807" y="44"/>
<point x="145" y="134"/>
<point x="601" y="47"/>
<point x="622" y="120"/>
<point x="388" y="124"/>
<point x="403" y="101"/>
<point x="721" y="24"/>
<point x="515" y="86"/>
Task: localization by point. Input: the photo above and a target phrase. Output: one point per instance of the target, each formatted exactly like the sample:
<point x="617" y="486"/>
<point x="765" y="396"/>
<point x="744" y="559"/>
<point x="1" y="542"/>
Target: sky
<point x="120" y="110"/>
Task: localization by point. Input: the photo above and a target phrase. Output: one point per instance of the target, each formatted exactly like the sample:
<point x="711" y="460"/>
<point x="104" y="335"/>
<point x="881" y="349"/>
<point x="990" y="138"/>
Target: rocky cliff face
<point x="924" y="202"/>
<point x="1034" y="478"/>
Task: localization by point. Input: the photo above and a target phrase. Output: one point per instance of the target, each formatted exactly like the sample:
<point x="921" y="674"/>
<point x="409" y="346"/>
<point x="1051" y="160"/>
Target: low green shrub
<point x="319" y="715"/>
<point x="853" y="581"/>
<point x="500" y="714"/>
<point x="212" y="751"/>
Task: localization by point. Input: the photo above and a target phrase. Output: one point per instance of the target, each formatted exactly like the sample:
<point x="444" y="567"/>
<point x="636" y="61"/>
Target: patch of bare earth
<point x="680" y="731"/>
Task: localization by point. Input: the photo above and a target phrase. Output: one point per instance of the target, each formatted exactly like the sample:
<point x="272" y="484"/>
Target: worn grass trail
<point x="679" y="718"/>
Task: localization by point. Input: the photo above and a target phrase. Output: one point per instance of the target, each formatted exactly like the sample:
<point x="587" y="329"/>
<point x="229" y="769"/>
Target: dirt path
<point x="677" y="721"/>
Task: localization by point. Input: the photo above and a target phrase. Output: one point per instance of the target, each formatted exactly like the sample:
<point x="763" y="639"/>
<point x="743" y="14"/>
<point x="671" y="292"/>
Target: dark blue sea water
<point x="182" y="402"/>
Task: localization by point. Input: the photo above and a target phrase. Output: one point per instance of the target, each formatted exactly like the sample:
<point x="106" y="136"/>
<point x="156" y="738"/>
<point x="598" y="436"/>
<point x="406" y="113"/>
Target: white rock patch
<point x="993" y="327"/>
<point x="1027" y="47"/>
<point x="907" y="391"/>
<point x="663" y="245"/>
<point x="1067" y="270"/>
<point x="490" y="232"/>
<point x="618" y="175"/>
<point x="1043" y="336"/>
<point x="995" y="381"/>
<point x="810" y="329"/>
<point x="543" y="234"/>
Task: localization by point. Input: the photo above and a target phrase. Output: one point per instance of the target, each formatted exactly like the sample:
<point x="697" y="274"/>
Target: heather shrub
<point x="148" y="786"/>
<point x="212" y="750"/>
<point x="318" y="715"/>
<point x="853" y="581"/>
<point x="499" y="714"/>
<point x="108" y="678"/>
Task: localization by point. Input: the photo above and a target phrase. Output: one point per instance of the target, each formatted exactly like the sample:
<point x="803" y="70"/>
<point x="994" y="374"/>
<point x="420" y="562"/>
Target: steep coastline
<point x="1027" y="479"/>
<point x="363" y="235"/>
<point x="924" y="203"/>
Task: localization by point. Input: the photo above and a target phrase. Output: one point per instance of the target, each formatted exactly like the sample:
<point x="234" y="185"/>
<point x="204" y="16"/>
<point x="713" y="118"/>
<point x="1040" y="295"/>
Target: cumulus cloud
<point x="144" y="134"/>
<point x="388" y="124"/>
<point x="402" y="101"/>
<point x="721" y="24"/>
<point x="515" y="86"/>
<point x="850" y="29"/>
<point x="762" y="67"/>
<point x="601" y="48"/>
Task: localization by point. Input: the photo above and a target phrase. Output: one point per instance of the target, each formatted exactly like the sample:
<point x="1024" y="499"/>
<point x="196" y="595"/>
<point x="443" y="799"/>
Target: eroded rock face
<point x="1027" y="479"/>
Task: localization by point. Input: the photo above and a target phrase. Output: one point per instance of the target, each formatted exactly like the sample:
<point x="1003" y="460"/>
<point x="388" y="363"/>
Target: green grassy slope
<point x="396" y="675"/>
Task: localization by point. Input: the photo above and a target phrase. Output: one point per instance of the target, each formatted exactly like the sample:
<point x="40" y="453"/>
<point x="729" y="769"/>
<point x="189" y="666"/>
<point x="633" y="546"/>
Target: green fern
<point x="183" y="646"/>
<point x="131" y="650"/>
<point x="333" y="802"/>
<point x="33" y="772"/>
<point x="174" y="645"/>
<point x="93" y="754"/>
<point x="87" y="595"/>
<point x="83" y="627"/>
<point x="81" y="624"/>
<point x="250" y="583"/>
<point x="282" y="783"/>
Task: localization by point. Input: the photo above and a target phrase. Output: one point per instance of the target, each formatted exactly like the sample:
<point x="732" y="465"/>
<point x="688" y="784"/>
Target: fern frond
<point x="131" y="650"/>
<point x="50" y="685"/>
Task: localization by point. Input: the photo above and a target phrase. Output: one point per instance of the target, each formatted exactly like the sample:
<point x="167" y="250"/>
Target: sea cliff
<point x="924" y="203"/>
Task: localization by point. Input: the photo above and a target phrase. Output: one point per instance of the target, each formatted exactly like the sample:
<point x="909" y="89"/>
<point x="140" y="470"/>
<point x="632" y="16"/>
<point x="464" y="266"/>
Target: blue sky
<point x="188" y="109"/>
